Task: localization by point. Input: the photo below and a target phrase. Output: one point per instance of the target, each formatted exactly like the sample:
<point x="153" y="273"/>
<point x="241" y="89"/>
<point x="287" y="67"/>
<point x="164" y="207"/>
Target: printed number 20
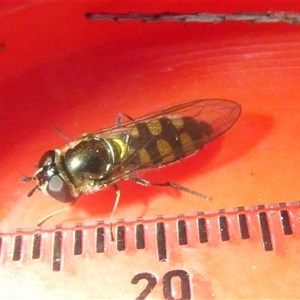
<point x="167" y="287"/>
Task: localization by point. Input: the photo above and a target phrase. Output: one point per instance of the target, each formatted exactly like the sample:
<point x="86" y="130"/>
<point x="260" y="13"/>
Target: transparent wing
<point x="217" y="114"/>
<point x="221" y="114"/>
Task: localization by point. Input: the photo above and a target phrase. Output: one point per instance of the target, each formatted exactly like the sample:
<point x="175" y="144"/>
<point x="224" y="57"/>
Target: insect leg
<point x="55" y="213"/>
<point x="118" y="194"/>
<point x="62" y="134"/>
<point x="171" y="184"/>
<point x="119" y="120"/>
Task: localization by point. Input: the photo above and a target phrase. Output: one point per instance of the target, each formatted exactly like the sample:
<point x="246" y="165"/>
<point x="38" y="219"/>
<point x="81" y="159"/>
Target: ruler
<point x="244" y="252"/>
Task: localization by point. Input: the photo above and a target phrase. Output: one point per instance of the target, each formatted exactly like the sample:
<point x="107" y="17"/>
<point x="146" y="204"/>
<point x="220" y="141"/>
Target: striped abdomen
<point x="165" y="140"/>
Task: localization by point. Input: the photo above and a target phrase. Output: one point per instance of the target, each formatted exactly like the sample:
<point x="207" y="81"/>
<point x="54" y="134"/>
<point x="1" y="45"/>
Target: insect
<point x="103" y="158"/>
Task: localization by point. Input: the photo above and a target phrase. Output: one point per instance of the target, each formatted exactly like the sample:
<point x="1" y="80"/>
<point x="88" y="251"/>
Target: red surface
<point x="59" y="69"/>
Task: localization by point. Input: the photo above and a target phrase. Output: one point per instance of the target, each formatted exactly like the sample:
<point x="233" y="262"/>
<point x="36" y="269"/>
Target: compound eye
<point x="47" y="159"/>
<point x="59" y="189"/>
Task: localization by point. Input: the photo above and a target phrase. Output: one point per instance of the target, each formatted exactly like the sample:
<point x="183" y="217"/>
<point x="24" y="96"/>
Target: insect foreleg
<point x="56" y="213"/>
<point x="118" y="194"/>
<point x="171" y="184"/>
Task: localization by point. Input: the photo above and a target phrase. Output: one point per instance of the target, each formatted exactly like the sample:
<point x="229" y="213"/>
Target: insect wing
<point x="218" y="113"/>
<point x="221" y="114"/>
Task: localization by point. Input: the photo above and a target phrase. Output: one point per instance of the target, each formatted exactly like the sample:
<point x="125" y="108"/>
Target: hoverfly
<point x="103" y="158"/>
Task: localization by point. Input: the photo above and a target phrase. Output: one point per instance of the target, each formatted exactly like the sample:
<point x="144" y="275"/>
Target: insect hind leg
<point x="171" y="184"/>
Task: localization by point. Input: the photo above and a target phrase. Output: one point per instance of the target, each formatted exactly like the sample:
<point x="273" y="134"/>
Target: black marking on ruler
<point x="261" y="207"/>
<point x="282" y="209"/>
<point x="100" y="240"/>
<point x="285" y="221"/>
<point x="121" y="238"/>
<point x="181" y="229"/>
<point x="161" y="241"/>
<point x="78" y="242"/>
<point x="17" y="248"/>
<point x="223" y="228"/>
<point x="243" y="227"/>
<point x="36" y="248"/>
<point x="139" y="236"/>
<point x="57" y="251"/>
<point x="203" y="238"/>
<point x="265" y="231"/>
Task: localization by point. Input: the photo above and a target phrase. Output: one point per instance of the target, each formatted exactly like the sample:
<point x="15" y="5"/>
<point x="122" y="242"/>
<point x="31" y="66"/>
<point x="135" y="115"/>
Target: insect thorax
<point x="89" y="163"/>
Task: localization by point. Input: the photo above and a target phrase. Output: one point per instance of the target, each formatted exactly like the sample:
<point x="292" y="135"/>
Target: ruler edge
<point x="128" y="221"/>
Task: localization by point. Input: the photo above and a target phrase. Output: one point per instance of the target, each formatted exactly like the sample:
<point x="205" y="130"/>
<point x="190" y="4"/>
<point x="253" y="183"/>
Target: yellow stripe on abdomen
<point x="165" y="150"/>
<point x="188" y="146"/>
